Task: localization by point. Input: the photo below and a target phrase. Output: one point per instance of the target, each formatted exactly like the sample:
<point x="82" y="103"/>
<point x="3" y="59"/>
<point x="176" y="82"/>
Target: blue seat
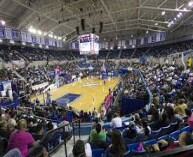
<point x="165" y="130"/>
<point x="98" y="152"/>
<point x="133" y="146"/>
<point x="129" y="141"/>
<point x="175" y="135"/>
<point x="163" y="137"/>
<point x="150" y="142"/>
<point x="173" y="127"/>
<point x="187" y="128"/>
<point x="155" y="134"/>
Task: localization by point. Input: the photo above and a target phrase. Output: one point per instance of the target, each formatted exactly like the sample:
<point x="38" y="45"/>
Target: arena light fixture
<point x="2" y="22"/>
<point x="45" y="33"/>
<point x="23" y="43"/>
<point x="55" y="37"/>
<point x="147" y="32"/>
<point x="32" y="45"/>
<point x="12" y="42"/>
<point x="125" y="47"/>
<point x="59" y="38"/>
<point x="131" y="36"/>
<point x="156" y="23"/>
<point x="175" y="19"/>
<point x="163" y="13"/>
<point x="133" y="46"/>
<point x="50" y="35"/>
<point x="39" y="32"/>
<point x="119" y="47"/>
<point x="1" y="40"/>
<point x="185" y="9"/>
<point x="111" y="48"/>
<point x="40" y="46"/>
<point x="190" y="4"/>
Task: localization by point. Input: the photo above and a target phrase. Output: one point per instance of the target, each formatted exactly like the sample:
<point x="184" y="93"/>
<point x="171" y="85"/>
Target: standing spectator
<point x="116" y="122"/>
<point x="94" y="113"/>
<point x="11" y="121"/>
<point x="4" y="130"/>
<point x="82" y="150"/>
<point x="21" y="139"/>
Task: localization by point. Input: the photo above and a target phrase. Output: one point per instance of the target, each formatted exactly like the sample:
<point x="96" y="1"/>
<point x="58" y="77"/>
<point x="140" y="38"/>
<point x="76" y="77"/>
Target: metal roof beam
<point x="33" y="10"/>
<point x="165" y="9"/>
<point x="109" y="14"/>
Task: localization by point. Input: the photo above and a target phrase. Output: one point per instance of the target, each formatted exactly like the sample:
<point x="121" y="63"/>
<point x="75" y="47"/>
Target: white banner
<point x="142" y="41"/>
<point x="23" y="36"/>
<point x="29" y="39"/>
<point x="38" y="39"/>
<point x="8" y="33"/>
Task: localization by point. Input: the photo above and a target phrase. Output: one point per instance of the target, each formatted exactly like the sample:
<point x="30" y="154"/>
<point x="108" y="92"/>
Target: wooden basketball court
<point x="92" y="93"/>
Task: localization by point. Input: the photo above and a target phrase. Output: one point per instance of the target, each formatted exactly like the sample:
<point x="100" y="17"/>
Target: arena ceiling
<point x="120" y="17"/>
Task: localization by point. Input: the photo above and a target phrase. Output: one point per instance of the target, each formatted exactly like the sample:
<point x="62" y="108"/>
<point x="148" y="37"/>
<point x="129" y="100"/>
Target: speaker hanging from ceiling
<point x="83" y="24"/>
<point x="77" y="30"/>
<point x="101" y="27"/>
<point x="93" y="30"/>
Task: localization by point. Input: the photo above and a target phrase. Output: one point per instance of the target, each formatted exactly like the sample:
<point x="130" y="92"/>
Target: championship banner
<point x="158" y="37"/>
<point x="149" y="39"/>
<point x="46" y="39"/>
<point x="29" y="38"/>
<point x="138" y="41"/>
<point x="145" y="40"/>
<point x="50" y="41"/>
<point x="15" y="34"/>
<point x="33" y="38"/>
<point x="142" y="41"/>
<point x="123" y="43"/>
<point x="130" y="42"/>
<point x="42" y="41"/>
<point x="53" y="42"/>
<point x="2" y="32"/>
<point x="153" y="38"/>
<point x="23" y="36"/>
<point x="58" y="44"/>
<point x="38" y="39"/>
<point x="162" y="36"/>
<point x="134" y="41"/>
<point x="8" y="33"/>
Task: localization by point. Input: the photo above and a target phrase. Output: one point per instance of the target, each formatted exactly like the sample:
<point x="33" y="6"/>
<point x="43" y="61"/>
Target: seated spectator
<point x="13" y="153"/>
<point x="4" y="129"/>
<point x="82" y="150"/>
<point x="130" y="132"/>
<point x="38" y="132"/>
<point x="117" y="147"/>
<point x="11" y="121"/>
<point x="98" y="135"/>
<point x="184" y="139"/>
<point x="180" y="108"/>
<point x="38" y="151"/>
<point x="116" y="122"/>
<point x="190" y="117"/>
<point x="21" y="139"/>
<point x="144" y="130"/>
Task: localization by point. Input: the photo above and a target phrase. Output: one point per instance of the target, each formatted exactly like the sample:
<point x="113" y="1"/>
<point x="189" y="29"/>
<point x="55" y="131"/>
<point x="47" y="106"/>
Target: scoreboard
<point x="88" y="44"/>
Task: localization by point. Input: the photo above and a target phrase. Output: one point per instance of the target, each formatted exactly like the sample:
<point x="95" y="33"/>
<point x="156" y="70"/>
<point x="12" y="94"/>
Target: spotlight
<point x="156" y="23"/>
<point x="2" y="22"/>
<point x="190" y="4"/>
<point x="147" y="32"/>
<point x="163" y="13"/>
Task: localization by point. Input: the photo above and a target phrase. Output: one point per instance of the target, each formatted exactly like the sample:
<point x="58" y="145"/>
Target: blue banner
<point x="15" y="34"/>
<point x="2" y="32"/>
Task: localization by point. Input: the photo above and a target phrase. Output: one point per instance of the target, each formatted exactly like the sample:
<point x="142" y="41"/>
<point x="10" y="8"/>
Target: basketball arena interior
<point x="96" y="78"/>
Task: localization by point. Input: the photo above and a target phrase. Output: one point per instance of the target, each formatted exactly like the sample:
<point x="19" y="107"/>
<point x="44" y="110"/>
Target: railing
<point x="170" y="153"/>
<point x="55" y="138"/>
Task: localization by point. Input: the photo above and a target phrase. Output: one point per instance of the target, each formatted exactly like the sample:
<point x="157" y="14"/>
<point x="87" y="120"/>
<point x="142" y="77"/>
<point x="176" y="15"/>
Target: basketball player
<point x="49" y="100"/>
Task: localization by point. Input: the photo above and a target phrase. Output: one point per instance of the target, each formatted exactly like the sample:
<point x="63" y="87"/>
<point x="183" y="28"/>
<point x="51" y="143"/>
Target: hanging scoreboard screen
<point x="88" y="44"/>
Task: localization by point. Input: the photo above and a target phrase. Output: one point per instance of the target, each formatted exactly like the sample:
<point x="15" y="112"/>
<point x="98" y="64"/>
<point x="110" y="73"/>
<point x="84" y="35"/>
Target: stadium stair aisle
<point x="61" y="151"/>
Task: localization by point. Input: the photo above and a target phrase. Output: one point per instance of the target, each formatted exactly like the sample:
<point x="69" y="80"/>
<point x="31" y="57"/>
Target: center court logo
<point x="91" y="85"/>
